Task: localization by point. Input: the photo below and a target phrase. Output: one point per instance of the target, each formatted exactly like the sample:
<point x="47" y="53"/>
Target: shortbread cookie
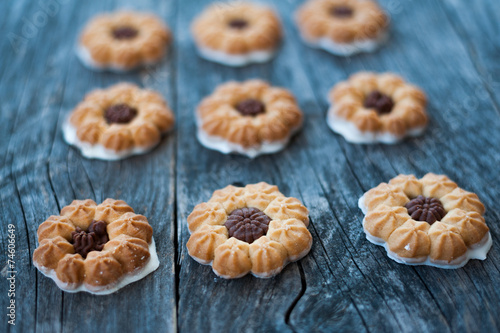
<point x="117" y="122"/>
<point x="252" y="229"/>
<point x="370" y="108"/>
<point x="95" y="248"/>
<point x="122" y="41"/>
<point x="342" y="27"/>
<point x="249" y="118"/>
<point x="237" y="34"/>
<point x="427" y="221"/>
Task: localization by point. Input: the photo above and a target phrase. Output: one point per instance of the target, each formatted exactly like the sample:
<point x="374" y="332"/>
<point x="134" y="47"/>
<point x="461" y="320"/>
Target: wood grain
<point x="345" y="283"/>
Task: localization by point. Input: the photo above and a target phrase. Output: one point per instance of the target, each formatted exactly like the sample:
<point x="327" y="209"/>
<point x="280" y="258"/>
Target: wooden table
<point x="449" y="48"/>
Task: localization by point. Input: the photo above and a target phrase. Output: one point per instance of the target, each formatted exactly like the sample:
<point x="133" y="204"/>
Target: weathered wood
<point x="478" y="37"/>
<point x="421" y="300"/>
<point x="345" y="283"/>
<point x="48" y="175"/>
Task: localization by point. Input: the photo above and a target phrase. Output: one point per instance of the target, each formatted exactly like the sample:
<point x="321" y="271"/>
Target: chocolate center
<point x="341" y="11"/>
<point x="378" y="101"/>
<point x="238" y="24"/>
<point x="250" y="107"/>
<point x="92" y="240"/>
<point x="124" y="32"/>
<point x="247" y="224"/>
<point x="120" y="114"/>
<point x="425" y="209"/>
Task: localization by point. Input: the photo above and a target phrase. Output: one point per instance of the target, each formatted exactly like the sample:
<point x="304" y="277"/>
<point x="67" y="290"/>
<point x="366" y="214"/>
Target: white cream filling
<point x="152" y="264"/>
<point x="98" y="151"/>
<point x="236" y="60"/>
<point x="347" y="49"/>
<point x="224" y="146"/>
<point x="476" y="251"/>
<point x="354" y="135"/>
<point x="86" y="58"/>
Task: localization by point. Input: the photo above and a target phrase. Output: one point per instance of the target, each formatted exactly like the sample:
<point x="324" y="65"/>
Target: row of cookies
<point x="249" y="118"/>
<point x="256" y="229"/>
<point x="100" y="248"/>
<point x="234" y="34"/>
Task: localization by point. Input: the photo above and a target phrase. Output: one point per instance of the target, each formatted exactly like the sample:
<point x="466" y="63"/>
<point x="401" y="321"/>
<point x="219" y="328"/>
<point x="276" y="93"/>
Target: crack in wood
<point x="297" y="299"/>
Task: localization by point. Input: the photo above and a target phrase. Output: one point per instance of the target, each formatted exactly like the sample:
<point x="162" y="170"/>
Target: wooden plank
<point x="247" y="304"/>
<point x="49" y="175"/>
<point x="144" y="182"/>
<point x="415" y="291"/>
<point x="12" y="211"/>
<point x="477" y="25"/>
<point x="25" y="150"/>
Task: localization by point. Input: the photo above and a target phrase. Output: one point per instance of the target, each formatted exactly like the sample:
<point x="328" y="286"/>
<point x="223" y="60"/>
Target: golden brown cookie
<point x="252" y="229"/>
<point x="95" y="248"/>
<point x="342" y="27"/>
<point x="426" y="221"/>
<point x="370" y="108"/>
<point x="123" y="40"/>
<point x="236" y="34"/>
<point x="117" y="122"/>
<point x="249" y="118"/>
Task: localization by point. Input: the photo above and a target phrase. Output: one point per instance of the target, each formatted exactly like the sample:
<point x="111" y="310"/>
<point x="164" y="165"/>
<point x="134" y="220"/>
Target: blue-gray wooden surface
<point x="450" y="48"/>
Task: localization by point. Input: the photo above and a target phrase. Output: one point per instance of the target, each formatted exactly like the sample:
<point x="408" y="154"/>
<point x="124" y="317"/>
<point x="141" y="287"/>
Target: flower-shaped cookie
<point x="369" y="108"/>
<point x="117" y="122"/>
<point x="95" y="248"/>
<point x="122" y="41"/>
<point x="236" y="34"/>
<point x="252" y="229"/>
<point x="342" y="27"/>
<point x="249" y="118"/>
<point x="426" y="221"/>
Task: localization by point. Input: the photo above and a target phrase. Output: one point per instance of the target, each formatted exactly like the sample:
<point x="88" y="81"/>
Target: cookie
<point x="122" y="41"/>
<point x="95" y="248"/>
<point x="253" y="229"/>
<point x="118" y="122"/>
<point x="371" y="108"/>
<point x="237" y="34"/>
<point x="342" y="27"/>
<point x="249" y="118"/>
<point x="427" y="221"/>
